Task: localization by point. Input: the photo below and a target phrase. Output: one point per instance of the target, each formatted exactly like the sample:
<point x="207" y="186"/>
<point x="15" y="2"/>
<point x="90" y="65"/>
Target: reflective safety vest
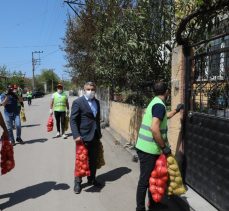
<point x="145" y="141"/>
<point x="29" y="94"/>
<point x="60" y="101"/>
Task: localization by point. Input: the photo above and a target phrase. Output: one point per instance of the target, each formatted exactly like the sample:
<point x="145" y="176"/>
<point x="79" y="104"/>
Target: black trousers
<point x="147" y="164"/>
<point x="92" y="147"/>
<point x="60" y="119"/>
<point x="29" y="100"/>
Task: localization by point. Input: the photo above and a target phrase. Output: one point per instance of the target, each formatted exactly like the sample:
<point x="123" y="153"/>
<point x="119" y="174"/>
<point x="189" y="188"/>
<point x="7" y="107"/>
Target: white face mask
<point x="59" y="91"/>
<point x="90" y="94"/>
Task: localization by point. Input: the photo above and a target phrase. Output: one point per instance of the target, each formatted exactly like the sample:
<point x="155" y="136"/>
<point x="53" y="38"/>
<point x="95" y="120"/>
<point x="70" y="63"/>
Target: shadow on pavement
<point x="31" y="125"/>
<point x="40" y="140"/>
<point x="109" y="176"/>
<point x="31" y="192"/>
<point x="69" y="134"/>
<point x="172" y="203"/>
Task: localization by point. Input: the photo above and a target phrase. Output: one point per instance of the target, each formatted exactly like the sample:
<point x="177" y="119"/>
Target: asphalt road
<point x="42" y="179"/>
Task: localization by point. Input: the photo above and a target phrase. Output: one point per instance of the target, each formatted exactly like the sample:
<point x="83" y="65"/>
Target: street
<point x="42" y="179"/>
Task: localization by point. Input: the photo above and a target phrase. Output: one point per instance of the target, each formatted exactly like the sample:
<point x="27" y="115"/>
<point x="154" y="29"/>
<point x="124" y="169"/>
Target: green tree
<point x="49" y="77"/>
<point x="4" y="74"/>
<point x="8" y="77"/>
<point x="124" y="45"/>
<point x="131" y="52"/>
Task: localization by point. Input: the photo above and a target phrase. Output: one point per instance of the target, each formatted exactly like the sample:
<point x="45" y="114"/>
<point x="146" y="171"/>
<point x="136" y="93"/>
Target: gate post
<point x="177" y="96"/>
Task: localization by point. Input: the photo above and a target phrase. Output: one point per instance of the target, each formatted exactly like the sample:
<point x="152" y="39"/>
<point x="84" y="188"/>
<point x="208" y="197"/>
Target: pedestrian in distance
<point x="60" y="106"/>
<point x="29" y="96"/>
<point x="85" y="126"/>
<point x="11" y="101"/>
<point x="152" y="141"/>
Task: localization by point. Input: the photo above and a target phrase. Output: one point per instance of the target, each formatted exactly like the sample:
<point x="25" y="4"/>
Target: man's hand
<point x="179" y="107"/>
<point x="50" y="111"/>
<point x="166" y="150"/>
<point x="78" y="140"/>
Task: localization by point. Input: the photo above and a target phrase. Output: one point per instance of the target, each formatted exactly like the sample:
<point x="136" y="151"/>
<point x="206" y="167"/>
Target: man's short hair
<point x="160" y="88"/>
<point x="89" y="83"/>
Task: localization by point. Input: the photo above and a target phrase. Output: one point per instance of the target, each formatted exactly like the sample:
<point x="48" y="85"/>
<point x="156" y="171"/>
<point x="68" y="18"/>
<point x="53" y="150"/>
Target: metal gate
<point x="206" y="138"/>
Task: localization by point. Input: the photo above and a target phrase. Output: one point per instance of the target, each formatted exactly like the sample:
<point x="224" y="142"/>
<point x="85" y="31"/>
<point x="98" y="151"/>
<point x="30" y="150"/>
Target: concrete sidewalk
<point x="192" y="198"/>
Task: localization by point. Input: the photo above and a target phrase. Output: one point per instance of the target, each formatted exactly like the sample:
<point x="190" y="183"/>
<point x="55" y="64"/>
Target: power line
<point x="30" y="46"/>
<point x="23" y="62"/>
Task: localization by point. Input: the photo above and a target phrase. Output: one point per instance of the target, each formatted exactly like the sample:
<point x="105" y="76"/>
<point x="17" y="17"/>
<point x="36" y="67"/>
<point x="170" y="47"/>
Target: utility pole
<point x="34" y="63"/>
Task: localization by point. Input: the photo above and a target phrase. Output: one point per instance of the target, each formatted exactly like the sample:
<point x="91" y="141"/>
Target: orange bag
<point x="158" y="179"/>
<point x="82" y="161"/>
<point x="7" y="156"/>
<point x="50" y="123"/>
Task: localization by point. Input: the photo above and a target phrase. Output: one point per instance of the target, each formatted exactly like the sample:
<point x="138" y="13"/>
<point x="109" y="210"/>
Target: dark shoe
<point x="94" y="183"/>
<point x="77" y="188"/>
<point x="19" y="140"/>
<point x="13" y="143"/>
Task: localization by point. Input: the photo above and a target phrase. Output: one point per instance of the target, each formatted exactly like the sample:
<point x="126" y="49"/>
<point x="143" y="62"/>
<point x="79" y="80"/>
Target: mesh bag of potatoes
<point x="175" y="183"/>
<point x="66" y="123"/>
<point x="100" y="159"/>
<point x="22" y="115"/>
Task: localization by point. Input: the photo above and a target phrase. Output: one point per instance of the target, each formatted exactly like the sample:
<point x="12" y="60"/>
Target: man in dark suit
<point x="85" y="126"/>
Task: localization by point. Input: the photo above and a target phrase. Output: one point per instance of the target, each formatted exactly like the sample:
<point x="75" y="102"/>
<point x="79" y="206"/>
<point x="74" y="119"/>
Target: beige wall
<point x="125" y="120"/>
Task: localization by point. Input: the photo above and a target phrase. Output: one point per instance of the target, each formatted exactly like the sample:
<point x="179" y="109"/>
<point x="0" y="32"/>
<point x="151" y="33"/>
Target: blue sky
<point x="33" y="25"/>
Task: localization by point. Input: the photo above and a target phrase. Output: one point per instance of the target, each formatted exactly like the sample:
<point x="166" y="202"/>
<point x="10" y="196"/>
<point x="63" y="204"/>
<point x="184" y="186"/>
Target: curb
<point x="119" y="140"/>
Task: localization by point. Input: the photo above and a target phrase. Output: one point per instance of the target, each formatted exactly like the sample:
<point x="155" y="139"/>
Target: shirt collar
<point x="89" y="99"/>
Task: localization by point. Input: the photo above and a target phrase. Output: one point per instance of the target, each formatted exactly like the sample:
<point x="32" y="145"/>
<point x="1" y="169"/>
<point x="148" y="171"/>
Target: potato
<point x="171" y="172"/>
<point x="179" y="191"/>
<point x="173" y="167"/>
<point x="170" y="160"/>
<point x="172" y="178"/>
<point x="178" y="180"/>
<point x="173" y="185"/>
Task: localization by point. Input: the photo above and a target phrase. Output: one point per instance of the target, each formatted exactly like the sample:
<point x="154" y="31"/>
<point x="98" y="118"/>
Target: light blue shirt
<point x="93" y="105"/>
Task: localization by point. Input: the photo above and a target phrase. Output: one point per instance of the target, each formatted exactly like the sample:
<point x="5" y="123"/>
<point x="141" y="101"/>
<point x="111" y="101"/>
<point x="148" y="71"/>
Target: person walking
<point x="29" y="96"/>
<point x="85" y="126"/>
<point x="152" y="141"/>
<point x="60" y="106"/>
<point x="10" y="101"/>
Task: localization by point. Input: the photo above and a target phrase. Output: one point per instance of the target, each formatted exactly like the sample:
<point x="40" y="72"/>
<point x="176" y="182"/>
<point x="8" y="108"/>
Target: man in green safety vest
<point x="60" y="106"/>
<point x="29" y="96"/>
<point x="152" y="141"/>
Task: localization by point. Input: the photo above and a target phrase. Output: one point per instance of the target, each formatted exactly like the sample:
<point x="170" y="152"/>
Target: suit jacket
<point x="82" y="121"/>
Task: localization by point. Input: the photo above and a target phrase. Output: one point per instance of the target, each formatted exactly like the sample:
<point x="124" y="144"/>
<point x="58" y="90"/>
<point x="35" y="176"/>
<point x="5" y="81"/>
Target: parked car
<point x="37" y="94"/>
